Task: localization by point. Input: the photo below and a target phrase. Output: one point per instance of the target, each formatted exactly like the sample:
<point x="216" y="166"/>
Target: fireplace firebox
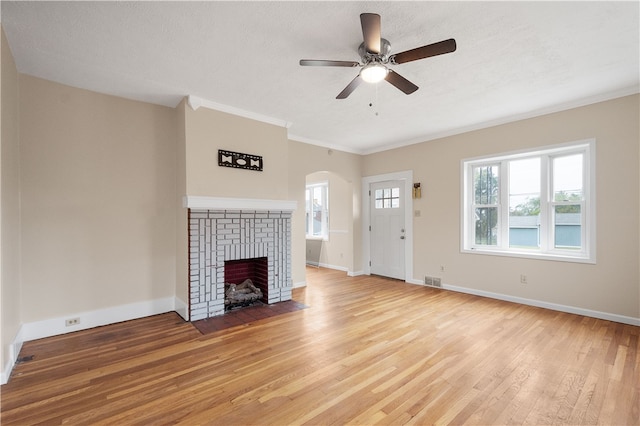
<point x="254" y="269"/>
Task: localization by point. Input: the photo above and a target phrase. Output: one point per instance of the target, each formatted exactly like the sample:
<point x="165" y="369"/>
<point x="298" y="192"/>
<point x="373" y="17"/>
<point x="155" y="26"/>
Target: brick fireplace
<point x="224" y="230"/>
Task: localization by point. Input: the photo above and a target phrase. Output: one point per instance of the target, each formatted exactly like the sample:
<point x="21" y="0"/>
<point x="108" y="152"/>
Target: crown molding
<point x="195" y="102"/>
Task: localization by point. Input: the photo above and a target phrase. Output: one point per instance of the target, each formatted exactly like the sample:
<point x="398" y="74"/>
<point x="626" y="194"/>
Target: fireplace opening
<point x="246" y="282"/>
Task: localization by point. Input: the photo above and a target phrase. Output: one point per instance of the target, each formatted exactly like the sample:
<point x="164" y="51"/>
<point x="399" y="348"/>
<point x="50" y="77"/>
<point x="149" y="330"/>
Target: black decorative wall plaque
<point x="239" y="160"/>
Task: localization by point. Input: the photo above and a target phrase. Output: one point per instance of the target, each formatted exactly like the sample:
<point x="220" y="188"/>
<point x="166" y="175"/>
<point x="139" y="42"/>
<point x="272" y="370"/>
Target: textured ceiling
<point x="514" y="60"/>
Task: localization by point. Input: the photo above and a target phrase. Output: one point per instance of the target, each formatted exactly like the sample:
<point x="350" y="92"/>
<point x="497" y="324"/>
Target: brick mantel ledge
<point x="219" y="203"/>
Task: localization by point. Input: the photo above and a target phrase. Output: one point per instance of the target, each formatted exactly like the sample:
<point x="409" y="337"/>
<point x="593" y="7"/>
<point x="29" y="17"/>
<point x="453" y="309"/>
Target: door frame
<point x="407" y="177"/>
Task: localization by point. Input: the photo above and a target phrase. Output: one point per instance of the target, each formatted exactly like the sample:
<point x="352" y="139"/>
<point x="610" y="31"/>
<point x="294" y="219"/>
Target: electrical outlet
<point x="523" y="279"/>
<point x="441" y="268"/>
<point x="72" y="321"/>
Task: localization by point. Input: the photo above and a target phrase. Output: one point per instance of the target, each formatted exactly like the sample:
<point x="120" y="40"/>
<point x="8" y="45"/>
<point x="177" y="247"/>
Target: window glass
<point x="486" y="226"/>
<point x="567" y="178"/>
<point x="485" y="182"/>
<point x="486" y="189"/>
<point x="535" y="204"/>
<point x="568" y="226"/>
<point x="524" y="203"/>
<point x="387" y="198"/>
<point x="317" y="210"/>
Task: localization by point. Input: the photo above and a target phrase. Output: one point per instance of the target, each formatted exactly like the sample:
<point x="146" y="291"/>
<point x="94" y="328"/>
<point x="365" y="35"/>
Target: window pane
<point x="485" y="184"/>
<point x="318" y="201"/>
<point x="387" y="198"/>
<point x="307" y="193"/>
<point x="567" y="178"/>
<point x="486" y="219"/>
<point x="317" y="220"/>
<point x="317" y="210"/>
<point x="568" y="226"/>
<point x="524" y="203"/>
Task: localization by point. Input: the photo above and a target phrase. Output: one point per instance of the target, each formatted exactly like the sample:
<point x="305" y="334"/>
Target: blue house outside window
<point x="524" y="231"/>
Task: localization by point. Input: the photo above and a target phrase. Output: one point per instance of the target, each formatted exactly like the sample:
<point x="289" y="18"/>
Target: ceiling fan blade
<point x="327" y="63"/>
<point x="442" y="47"/>
<point x="350" y="88"/>
<point x="400" y="82"/>
<point x="371" y="31"/>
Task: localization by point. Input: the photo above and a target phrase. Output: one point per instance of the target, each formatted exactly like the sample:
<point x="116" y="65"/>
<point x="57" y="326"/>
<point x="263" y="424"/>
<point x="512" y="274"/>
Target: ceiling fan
<point x="375" y="58"/>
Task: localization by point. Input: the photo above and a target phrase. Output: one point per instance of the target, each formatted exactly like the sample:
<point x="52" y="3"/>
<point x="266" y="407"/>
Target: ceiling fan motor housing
<point x="382" y="57"/>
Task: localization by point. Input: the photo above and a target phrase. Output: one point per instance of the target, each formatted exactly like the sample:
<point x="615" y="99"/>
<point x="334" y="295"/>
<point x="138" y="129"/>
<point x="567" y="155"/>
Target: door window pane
<point x="387" y="198"/>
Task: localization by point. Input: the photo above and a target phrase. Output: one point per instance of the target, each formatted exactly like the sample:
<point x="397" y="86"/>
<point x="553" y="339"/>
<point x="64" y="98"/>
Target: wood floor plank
<point x="367" y="350"/>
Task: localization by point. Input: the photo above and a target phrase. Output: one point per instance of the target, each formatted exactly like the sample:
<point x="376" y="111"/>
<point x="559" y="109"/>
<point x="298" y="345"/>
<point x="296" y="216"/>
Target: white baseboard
<point x="547" y="305"/>
<point x="90" y="319"/>
<point x="299" y="284"/>
<point x="337" y="268"/>
<point x="328" y="266"/>
<point x="538" y="303"/>
<point x="182" y="308"/>
<point x="14" y="351"/>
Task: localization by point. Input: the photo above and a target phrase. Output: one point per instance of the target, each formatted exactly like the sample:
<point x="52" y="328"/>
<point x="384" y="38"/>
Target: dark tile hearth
<point x="246" y="316"/>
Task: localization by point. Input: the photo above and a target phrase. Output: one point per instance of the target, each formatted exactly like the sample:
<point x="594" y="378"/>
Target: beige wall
<point x="182" y="252"/>
<point x="10" y="313"/>
<point x="611" y="285"/>
<point x="346" y="170"/>
<point x="98" y="181"/>
<point x="208" y="130"/>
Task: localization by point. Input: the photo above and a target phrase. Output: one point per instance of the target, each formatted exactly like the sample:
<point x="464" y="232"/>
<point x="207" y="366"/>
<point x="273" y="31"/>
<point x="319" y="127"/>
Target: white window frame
<point x="324" y="224"/>
<point x="547" y="251"/>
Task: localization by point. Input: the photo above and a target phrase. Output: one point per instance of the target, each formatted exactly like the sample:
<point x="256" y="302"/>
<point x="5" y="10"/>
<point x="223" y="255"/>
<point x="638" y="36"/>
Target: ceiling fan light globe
<point x="373" y="73"/>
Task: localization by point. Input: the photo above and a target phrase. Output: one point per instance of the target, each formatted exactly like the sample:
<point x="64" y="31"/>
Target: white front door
<point x="388" y="234"/>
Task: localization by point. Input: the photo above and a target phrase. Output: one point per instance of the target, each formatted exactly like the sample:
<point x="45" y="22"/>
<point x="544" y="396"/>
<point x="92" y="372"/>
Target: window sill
<point x="532" y="255"/>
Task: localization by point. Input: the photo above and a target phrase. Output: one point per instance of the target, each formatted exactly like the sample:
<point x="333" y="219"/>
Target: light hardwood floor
<point x="368" y="350"/>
